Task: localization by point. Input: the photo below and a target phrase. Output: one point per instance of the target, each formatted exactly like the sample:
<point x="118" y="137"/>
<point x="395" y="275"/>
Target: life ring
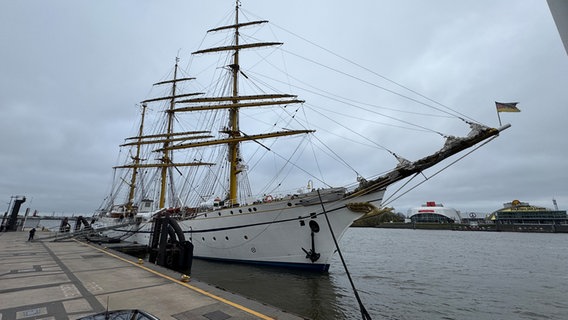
<point x="268" y="198"/>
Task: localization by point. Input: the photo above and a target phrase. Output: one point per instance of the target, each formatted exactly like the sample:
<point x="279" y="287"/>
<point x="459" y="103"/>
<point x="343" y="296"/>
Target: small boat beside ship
<point x="191" y="164"/>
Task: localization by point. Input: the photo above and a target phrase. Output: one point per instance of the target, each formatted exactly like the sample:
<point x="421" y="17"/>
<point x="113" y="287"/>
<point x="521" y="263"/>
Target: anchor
<point x="312" y="254"/>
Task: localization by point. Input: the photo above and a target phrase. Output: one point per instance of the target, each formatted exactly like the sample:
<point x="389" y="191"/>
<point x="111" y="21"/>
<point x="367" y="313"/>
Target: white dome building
<point x="433" y="212"/>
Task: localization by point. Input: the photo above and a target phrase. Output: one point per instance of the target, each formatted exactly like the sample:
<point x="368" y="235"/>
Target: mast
<point x="233" y="129"/>
<point x="136" y="163"/>
<point x="233" y="102"/>
<point x="167" y="154"/>
<point x="164" y="141"/>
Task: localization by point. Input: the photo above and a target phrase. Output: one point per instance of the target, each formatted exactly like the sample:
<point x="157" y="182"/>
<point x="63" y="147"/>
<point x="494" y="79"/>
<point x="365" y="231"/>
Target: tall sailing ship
<point x="202" y="178"/>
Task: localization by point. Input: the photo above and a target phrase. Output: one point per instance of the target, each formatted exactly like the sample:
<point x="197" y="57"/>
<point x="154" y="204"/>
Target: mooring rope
<point x="364" y="314"/>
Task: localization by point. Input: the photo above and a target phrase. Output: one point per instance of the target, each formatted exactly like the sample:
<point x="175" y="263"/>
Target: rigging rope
<point x="365" y="109"/>
<point x="376" y="74"/>
<point x="351" y="102"/>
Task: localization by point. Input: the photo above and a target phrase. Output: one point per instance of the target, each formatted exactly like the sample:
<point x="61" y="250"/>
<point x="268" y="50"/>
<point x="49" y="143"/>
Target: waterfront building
<point x="517" y="212"/>
<point x="433" y="212"/>
<point x="521" y="216"/>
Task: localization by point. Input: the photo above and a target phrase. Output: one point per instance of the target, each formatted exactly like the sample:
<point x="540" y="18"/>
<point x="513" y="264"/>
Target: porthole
<point x="250" y="210"/>
<point x="219" y="214"/>
<point x="203" y="238"/>
<point x="231" y="211"/>
<point x="246" y="237"/>
<point x="254" y="208"/>
<point x="214" y="239"/>
<point x="289" y="204"/>
<point x="226" y="238"/>
<point x="240" y="211"/>
<point x="205" y="215"/>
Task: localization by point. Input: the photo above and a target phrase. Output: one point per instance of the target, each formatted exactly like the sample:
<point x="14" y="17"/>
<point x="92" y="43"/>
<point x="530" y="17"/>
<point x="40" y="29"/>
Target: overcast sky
<point x="72" y="73"/>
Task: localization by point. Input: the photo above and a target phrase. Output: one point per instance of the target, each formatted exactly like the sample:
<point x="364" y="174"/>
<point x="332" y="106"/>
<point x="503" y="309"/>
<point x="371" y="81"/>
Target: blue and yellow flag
<point x="507" y="106"/>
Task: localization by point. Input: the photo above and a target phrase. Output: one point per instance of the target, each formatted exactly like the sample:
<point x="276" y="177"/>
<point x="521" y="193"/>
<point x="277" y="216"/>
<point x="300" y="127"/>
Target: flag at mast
<point x="506" y="107"/>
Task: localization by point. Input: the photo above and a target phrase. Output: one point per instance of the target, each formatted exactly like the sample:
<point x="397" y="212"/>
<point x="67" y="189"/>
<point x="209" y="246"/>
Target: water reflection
<point x="307" y="294"/>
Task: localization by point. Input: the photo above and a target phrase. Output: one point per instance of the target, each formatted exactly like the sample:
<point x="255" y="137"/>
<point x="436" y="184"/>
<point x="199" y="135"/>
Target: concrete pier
<point x="71" y="279"/>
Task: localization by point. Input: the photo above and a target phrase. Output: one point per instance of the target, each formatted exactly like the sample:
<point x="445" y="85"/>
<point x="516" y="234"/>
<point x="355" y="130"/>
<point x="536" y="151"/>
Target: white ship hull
<point x="277" y="233"/>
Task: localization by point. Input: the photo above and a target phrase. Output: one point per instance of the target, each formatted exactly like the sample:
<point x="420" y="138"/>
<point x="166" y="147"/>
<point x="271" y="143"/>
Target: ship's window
<point x="289" y="204"/>
<point x="250" y="210"/>
<point x="226" y="238"/>
<point x="219" y="214"/>
<point x="313" y="215"/>
<point x="203" y="238"/>
<point x="214" y="239"/>
<point x="246" y="237"/>
<point x="205" y="215"/>
<point x="240" y="211"/>
<point x="231" y="211"/>
<point x="254" y="208"/>
<point x="302" y="223"/>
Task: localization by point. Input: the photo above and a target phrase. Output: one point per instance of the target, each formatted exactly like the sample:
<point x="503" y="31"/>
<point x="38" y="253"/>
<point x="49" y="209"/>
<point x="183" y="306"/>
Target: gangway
<point x="59" y="236"/>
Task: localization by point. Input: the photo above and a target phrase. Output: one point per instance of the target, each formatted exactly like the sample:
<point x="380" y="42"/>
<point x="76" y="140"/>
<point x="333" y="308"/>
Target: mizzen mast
<point x="137" y="160"/>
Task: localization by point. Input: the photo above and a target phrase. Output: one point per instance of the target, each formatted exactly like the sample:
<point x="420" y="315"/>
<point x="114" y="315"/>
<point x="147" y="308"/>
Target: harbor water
<point x="417" y="274"/>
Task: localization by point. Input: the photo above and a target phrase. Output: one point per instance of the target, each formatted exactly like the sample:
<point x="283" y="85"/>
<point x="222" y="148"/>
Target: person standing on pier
<point x="32" y="233"/>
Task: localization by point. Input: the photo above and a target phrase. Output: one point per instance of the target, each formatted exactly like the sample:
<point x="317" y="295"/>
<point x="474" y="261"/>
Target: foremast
<point x="164" y="139"/>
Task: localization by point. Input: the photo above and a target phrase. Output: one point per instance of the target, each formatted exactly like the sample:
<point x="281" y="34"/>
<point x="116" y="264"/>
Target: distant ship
<point x="521" y="216"/>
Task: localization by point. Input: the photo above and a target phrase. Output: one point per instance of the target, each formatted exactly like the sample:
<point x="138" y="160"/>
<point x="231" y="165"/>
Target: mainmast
<point x="233" y="129"/>
<point x="234" y="102"/>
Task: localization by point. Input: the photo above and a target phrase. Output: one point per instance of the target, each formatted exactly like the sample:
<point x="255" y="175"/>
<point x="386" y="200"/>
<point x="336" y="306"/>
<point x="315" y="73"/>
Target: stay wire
<point x="461" y="117"/>
<point x="353" y="103"/>
<point x="364" y="314"/>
